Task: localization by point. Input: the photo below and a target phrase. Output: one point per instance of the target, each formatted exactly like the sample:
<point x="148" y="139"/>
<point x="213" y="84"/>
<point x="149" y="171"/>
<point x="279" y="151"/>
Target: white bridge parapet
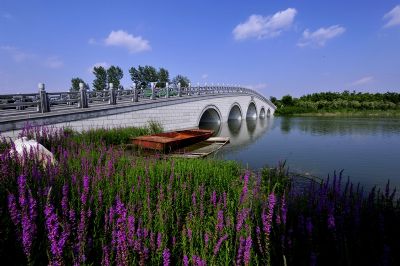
<point x="173" y="107"/>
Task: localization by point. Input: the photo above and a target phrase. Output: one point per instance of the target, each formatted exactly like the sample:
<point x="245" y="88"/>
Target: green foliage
<point x="114" y="75"/>
<point x="287" y="100"/>
<point x="100" y="81"/>
<point x="181" y="79"/>
<point x="338" y="102"/>
<point x="75" y="84"/>
<point x="163" y="77"/>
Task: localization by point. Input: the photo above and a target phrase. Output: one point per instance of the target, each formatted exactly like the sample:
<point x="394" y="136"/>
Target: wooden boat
<point x="202" y="149"/>
<point x="172" y="140"/>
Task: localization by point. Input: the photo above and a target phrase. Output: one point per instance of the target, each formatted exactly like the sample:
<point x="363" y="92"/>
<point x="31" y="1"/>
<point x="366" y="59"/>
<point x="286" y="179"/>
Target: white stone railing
<point x="44" y="102"/>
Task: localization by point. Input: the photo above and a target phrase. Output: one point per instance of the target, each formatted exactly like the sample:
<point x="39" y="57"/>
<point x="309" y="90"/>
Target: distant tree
<point x="182" y="79"/>
<point x="163" y="77"/>
<point x="100" y="82"/>
<point x="114" y="75"/>
<point x="287" y="100"/>
<point x="149" y="74"/>
<point x="75" y="84"/>
<point x="136" y="76"/>
<point x="273" y="100"/>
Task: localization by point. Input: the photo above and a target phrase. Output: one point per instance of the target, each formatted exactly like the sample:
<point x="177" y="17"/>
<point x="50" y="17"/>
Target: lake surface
<point x="367" y="149"/>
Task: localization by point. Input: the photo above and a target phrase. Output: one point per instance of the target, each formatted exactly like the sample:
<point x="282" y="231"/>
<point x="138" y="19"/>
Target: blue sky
<point x="275" y="47"/>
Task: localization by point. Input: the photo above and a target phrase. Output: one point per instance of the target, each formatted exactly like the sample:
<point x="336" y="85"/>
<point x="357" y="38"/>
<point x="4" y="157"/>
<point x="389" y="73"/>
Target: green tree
<point x="75" y="84"/>
<point x="181" y="79"/>
<point x="287" y="100"/>
<point x="100" y="82"/>
<point x="163" y="77"/>
<point x="114" y="75"/>
<point x="136" y="76"/>
<point x="149" y="74"/>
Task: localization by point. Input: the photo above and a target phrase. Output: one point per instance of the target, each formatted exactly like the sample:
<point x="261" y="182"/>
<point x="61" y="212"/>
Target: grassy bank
<point x="98" y="206"/>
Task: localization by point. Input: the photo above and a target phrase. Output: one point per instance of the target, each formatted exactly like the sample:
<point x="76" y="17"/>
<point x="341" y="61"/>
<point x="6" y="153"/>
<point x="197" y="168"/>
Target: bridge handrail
<point x="44" y="101"/>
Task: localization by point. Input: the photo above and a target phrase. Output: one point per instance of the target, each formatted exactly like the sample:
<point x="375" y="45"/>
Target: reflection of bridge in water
<point x="242" y="132"/>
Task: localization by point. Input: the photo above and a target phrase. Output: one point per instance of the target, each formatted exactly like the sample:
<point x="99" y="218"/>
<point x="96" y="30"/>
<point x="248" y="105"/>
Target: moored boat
<point x="172" y="140"/>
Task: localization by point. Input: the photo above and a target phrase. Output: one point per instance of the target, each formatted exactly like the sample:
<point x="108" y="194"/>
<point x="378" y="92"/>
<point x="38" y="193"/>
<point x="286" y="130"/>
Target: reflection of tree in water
<point x="344" y="126"/>
<point x="285" y="124"/>
<point x="251" y="126"/>
<point x="234" y="126"/>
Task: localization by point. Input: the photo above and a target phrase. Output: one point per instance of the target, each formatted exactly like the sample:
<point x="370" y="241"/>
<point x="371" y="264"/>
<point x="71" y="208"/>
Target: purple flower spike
<point x="185" y="260"/>
<point x="220" y="221"/>
<point x="166" y="257"/>
<point x="219" y="243"/>
<point x="247" y="251"/>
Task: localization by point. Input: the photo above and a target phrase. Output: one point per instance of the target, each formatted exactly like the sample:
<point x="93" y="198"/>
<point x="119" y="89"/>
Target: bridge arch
<point x="235" y="112"/>
<point x="262" y="113"/>
<point x="251" y="110"/>
<point x="269" y="112"/>
<point x="210" y="118"/>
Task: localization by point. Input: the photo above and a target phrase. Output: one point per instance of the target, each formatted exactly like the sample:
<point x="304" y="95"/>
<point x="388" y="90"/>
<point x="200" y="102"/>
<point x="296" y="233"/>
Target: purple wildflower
<point x="247" y="251"/>
<point x="242" y="243"/>
<point x="214" y="198"/>
<point x="189" y="233"/>
<point x="194" y="199"/>
<point x="219" y="243"/>
<point x="220" y="221"/>
<point x="185" y="260"/>
<point x="64" y="201"/>
<point x="12" y="207"/>
<point x="241" y="217"/>
<point x="245" y="188"/>
<point x="206" y="239"/>
<point x="267" y="217"/>
<point x="57" y="240"/>
<point x="166" y="257"/>
<point x="159" y="240"/>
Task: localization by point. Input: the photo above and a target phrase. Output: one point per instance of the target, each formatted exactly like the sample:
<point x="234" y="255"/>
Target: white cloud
<point x="260" y="27"/>
<point x="17" y="55"/>
<point x="392" y="17"/>
<point x="204" y="76"/>
<point x="54" y="62"/>
<point x="363" y="81"/>
<point x="320" y="36"/>
<point x="103" y="64"/>
<point x="124" y="39"/>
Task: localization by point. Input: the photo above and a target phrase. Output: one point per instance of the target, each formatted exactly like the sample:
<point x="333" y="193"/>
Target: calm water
<point x="368" y="149"/>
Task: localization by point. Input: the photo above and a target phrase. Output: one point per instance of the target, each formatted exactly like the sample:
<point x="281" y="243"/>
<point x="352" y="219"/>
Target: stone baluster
<point x="113" y="99"/>
<point x="135" y="97"/>
<point x="44" y="103"/>
<point x="189" y="89"/>
<point x="198" y="88"/>
<point x="83" y="103"/>
<point x="179" y="90"/>
<point x="166" y="90"/>
<point x="153" y="93"/>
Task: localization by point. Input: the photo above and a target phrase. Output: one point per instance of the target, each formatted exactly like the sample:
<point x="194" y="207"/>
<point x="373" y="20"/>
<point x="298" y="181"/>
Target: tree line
<point x="142" y="76"/>
<point x="337" y="101"/>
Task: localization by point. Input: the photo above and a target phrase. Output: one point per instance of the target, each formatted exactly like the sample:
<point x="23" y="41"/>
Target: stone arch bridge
<point x="173" y="107"/>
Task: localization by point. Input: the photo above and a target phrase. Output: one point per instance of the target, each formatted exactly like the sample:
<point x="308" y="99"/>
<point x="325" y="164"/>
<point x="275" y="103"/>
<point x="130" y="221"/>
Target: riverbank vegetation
<point x="98" y="205"/>
<point x="341" y="104"/>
